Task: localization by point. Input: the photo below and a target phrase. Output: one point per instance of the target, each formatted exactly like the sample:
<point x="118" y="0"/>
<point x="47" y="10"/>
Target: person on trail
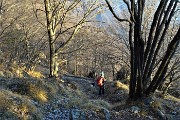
<point x="100" y="83"/>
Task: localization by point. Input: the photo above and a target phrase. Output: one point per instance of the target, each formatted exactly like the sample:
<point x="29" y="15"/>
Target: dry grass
<point x="20" y="96"/>
<point x="22" y="102"/>
<point x="11" y="71"/>
<point x="86" y="104"/>
<point x="114" y="86"/>
<point x="35" y="74"/>
<point x="37" y="93"/>
<point x="4" y="101"/>
<point x="46" y="90"/>
<point x="170" y="97"/>
<point x="17" y="107"/>
<point x="29" y="87"/>
<point x="116" y="91"/>
<point x="120" y="85"/>
<point x="76" y="97"/>
<point x="20" y="72"/>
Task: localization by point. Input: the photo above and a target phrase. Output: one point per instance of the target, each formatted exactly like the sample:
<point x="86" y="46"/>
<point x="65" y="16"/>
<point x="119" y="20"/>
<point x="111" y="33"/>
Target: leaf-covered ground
<point x="71" y="97"/>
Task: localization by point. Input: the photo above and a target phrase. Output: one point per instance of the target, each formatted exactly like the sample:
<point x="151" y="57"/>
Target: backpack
<point x="100" y="81"/>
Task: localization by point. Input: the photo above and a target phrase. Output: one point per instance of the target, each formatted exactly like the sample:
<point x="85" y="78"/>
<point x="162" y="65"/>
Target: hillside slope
<point x="71" y="97"/>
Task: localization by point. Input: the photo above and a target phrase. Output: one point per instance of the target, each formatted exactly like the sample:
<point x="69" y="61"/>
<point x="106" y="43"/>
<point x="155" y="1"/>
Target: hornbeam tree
<point x="64" y="20"/>
<point x="148" y="66"/>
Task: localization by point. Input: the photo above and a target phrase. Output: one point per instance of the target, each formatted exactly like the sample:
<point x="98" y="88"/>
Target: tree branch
<point x="129" y="8"/>
<point x="36" y="13"/>
<point x="114" y="14"/>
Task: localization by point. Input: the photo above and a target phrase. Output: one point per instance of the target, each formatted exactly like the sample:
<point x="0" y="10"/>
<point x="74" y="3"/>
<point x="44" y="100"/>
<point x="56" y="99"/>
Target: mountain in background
<point x="106" y="20"/>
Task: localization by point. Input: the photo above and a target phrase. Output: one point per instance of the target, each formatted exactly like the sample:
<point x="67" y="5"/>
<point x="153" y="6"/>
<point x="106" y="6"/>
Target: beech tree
<point x="171" y="76"/>
<point x="64" y="20"/>
<point x="144" y="78"/>
<point x="21" y="42"/>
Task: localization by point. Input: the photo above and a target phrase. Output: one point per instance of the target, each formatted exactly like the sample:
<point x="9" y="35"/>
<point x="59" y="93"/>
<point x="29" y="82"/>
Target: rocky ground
<point x="75" y="98"/>
<point x="146" y="109"/>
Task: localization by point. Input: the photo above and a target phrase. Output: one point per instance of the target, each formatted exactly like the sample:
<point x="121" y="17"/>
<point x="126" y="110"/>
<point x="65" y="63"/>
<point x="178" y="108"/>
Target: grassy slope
<point x="27" y="98"/>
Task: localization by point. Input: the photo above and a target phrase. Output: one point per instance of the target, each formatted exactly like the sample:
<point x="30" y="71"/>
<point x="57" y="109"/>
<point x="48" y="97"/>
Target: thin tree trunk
<point x="169" y="53"/>
<point x="150" y="40"/>
<point x="51" y="35"/>
<point x="132" y="85"/>
<point x="163" y="36"/>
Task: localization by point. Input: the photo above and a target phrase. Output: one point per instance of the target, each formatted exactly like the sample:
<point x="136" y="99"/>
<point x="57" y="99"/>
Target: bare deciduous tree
<point x="144" y="54"/>
<point x="64" y="20"/>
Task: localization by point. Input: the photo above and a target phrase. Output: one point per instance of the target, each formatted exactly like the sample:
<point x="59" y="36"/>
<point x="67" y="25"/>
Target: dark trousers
<point x="101" y="90"/>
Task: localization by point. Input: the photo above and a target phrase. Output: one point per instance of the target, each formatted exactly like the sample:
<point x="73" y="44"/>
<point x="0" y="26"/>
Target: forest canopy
<point x="136" y="40"/>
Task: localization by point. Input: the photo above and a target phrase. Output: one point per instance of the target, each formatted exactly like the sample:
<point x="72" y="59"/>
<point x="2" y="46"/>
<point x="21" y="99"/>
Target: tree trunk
<point x="132" y="84"/>
<point x="143" y="59"/>
<point x="169" y="54"/>
<point x="51" y="34"/>
<point x="150" y="39"/>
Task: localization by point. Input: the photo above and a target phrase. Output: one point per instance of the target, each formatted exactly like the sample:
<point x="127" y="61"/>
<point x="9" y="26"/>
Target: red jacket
<point x="100" y="81"/>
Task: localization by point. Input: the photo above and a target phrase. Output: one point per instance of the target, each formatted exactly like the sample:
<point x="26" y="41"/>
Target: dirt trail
<point x="116" y="95"/>
<point x="85" y="85"/>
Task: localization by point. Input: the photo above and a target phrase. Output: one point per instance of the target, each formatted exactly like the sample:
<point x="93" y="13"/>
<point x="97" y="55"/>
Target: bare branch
<point x="11" y="23"/>
<point x="129" y="9"/>
<point x="114" y="14"/>
<point x="70" y="38"/>
<point x="36" y="13"/>
<point x="79" y="48"/>
<point x="72" y="6"/>
<point x="83" y="20"/>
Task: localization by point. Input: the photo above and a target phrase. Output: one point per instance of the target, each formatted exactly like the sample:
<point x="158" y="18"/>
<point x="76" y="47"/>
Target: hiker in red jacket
<point x="100" y="83"/>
